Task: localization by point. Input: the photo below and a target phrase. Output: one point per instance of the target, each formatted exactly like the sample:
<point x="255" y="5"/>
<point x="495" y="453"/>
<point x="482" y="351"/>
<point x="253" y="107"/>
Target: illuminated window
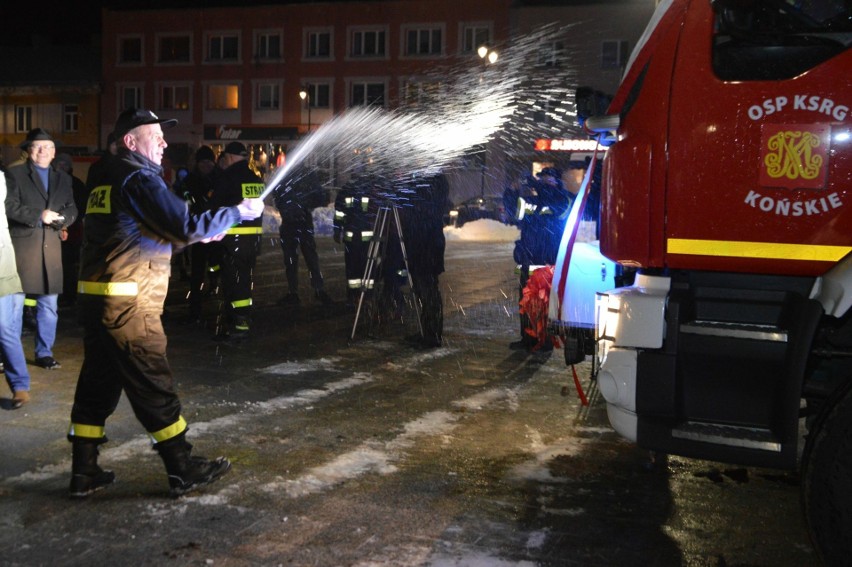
<point x="174" y="97"/>
<point x="223" y="97"/>
<point x="424" y="41"/>
<point x="223" y="47"/>
<point x="173" y="49"/>
<point x="130" y="50"/>
<point x="368" y="43"/>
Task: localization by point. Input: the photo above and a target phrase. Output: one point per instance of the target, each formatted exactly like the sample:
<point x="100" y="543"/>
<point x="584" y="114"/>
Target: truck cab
<point x="727" y="187"/>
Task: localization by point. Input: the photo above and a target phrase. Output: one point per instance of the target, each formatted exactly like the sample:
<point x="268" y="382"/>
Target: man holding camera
<point x="39" y="204"/>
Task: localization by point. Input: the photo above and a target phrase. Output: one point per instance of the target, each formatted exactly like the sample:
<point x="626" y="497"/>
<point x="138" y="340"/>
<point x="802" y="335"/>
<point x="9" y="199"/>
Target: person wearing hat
<point x="539" y="208"/>
<point x="204" y="257"/>
<point x="132" y="224"/>
<point x="236" y="181"/>
<point x="98" y="170"/>
<point x="39" y="206"/>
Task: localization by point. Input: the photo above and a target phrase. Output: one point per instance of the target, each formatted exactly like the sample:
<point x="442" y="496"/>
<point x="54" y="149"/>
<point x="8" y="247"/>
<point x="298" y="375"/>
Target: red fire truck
<point x="727" y="188"/>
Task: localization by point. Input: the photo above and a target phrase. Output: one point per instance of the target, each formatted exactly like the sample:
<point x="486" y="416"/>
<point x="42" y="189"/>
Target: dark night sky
<point x="75" y="22"/>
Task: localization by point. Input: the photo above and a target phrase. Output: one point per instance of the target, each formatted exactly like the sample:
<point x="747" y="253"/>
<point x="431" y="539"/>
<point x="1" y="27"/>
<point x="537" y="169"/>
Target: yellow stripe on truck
<point x="773" y="250"/>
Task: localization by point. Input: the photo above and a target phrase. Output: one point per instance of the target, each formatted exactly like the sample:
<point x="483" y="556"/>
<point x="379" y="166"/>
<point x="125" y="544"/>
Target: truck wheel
<point x="827" y="480"/>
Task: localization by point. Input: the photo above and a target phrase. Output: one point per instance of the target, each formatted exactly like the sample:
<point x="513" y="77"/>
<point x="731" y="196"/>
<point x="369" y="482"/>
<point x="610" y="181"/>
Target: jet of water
<point x="475" y="102"/>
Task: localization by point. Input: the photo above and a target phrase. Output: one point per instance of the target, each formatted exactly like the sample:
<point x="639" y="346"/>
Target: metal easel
<point x="376" y="253"/>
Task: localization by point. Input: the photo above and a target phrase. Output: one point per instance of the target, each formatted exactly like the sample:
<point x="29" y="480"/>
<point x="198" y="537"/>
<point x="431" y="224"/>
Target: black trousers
<point x="427" y="290"/>
<point x="205" y="260"/>
<point x="293" y="239"/>
<point x="129" y="358"/>
<point x="239" y="257"/>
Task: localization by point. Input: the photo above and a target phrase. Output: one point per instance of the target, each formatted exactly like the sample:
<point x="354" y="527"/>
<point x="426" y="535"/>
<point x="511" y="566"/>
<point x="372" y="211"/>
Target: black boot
<point x="86" y="476"/>
<point x="186" y="473"/>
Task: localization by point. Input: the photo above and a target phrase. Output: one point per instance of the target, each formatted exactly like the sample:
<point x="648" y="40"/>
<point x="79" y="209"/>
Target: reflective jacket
<point x="232" y="185"/>
<point x="129" y="232"/>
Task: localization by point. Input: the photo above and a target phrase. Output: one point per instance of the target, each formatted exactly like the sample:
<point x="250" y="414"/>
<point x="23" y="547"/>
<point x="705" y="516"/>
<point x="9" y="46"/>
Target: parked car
<point x="478" y="208"/>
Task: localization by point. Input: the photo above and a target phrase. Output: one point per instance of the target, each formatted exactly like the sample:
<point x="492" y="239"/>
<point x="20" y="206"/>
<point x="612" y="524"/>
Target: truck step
<point x="736" y="331"/>
<point x="729" y="435"/>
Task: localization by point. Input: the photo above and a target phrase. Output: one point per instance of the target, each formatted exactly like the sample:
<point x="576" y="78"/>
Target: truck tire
<point x="826" y="488"/>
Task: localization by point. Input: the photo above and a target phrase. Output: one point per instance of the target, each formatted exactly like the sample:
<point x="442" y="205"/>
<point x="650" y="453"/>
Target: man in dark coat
<point x="539" y="208"/>
<point x="205" y="257"/>
<point x="39" y="205"/>
<point x="296" y="201"/>
<point x="423" y="232"/>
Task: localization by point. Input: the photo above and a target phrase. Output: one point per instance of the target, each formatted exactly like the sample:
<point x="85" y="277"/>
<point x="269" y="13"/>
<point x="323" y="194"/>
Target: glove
<point x="250" y="209"/>
<point x="337" y="236"/>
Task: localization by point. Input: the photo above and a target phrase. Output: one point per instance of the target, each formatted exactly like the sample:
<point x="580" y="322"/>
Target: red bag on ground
<point x="534" y="304"/>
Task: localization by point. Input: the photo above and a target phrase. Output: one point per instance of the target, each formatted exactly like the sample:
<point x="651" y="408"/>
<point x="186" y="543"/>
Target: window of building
<point x="614" y="54"/>
<point x="367" y="94"/>
<point x="424" y="41"/>
<point x="70" y="118"/>
<point x="318" y="44"/>
<point x="368" y="43"/>
<point x="131" y="96"/>
<point x="223" y="47"/>
<point x="173" y="49"/>
<point x="421" y="93"/>
<point x="474" y="36"/>
<point x="545" y="112"/>
<point x="268" y="96"/>
<point x="223" y="97"/>
<point x="551" y="54"/>
<point x="319" y="95"/>
<point x="130" y="51"/>
<point x="23" y="118"/>
<point x="174" y="97"/>
<point x="268" y="45"/>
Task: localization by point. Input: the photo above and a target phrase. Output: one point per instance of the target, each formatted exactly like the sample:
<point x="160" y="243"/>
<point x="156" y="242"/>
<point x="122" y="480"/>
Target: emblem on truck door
<point x="794" y="156"/>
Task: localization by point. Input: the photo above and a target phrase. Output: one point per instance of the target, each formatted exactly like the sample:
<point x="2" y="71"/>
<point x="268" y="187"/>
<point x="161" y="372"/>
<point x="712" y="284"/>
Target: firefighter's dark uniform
<point x="423" y="230"/>
<point x="354" y="219"/>
<point x="130" y="229"/>
<point x="240" y="246"/>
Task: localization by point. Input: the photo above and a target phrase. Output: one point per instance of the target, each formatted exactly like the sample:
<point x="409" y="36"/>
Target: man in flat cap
<point x="132" y="223"/>
<point x="39" y="205"/>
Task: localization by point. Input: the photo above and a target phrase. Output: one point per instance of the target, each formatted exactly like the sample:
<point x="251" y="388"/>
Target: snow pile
<point x="483" y="230"/>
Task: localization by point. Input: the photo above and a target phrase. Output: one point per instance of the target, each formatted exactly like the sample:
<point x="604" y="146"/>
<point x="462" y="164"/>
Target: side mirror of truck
<point x="591" y="114"/>
<point x="590" y="102"/>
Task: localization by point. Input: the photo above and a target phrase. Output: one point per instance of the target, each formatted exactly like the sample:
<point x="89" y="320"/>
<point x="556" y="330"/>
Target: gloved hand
<point x="250" y="209"/>
<point x="336" y="236"/>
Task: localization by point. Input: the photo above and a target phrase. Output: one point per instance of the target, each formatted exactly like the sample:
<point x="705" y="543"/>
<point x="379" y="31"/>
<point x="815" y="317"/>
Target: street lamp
<point x="488" y="56"/>
<point x="305" y="95"/>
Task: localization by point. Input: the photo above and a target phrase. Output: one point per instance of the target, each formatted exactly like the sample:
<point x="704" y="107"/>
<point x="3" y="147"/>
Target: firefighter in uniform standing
<point x="354" y="219"/>
<point x="131" y="226"/>
<point x="241" y="244"/>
